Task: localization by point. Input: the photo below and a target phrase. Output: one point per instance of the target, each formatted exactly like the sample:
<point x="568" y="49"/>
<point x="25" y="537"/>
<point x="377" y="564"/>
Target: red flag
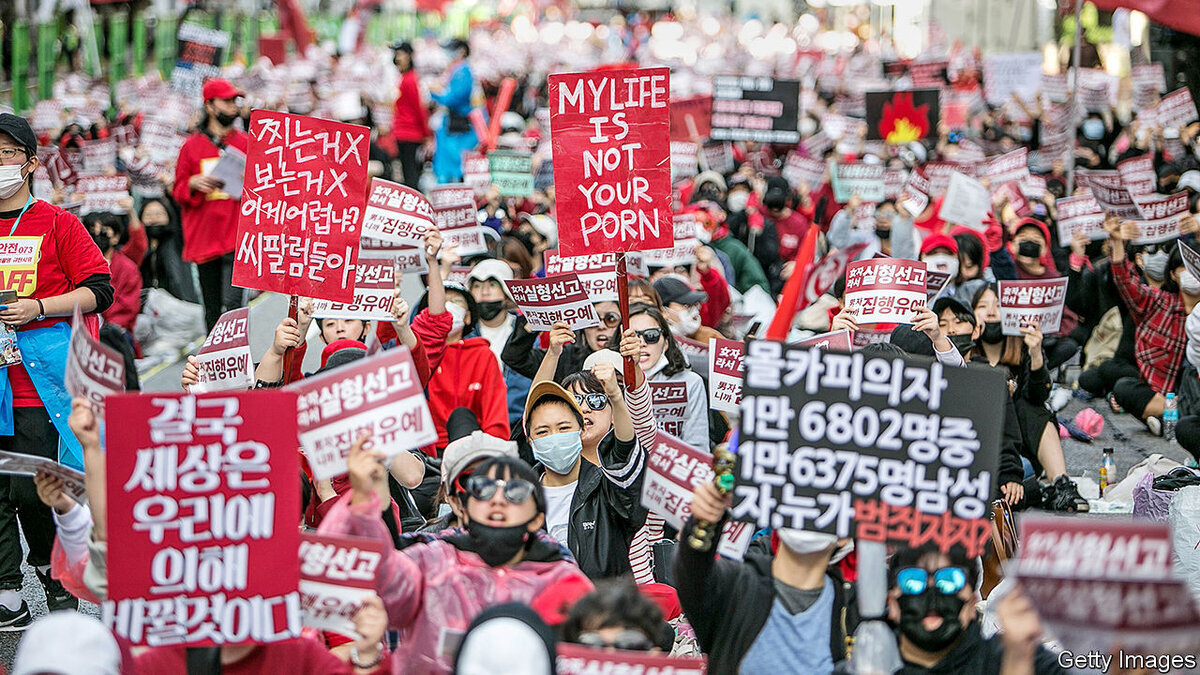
<point x="1182" y="15"/>
<point x="792" y="290"/>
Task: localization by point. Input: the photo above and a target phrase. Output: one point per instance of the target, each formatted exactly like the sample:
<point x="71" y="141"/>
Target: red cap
<point x="939" y="240"/>
<point x="219" y="88"/>
<point x="555" y="601"/>
<point x="338" y="345"/>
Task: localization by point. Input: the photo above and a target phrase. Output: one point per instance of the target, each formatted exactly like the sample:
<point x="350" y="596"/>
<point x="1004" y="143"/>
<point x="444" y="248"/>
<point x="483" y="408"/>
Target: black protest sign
<point x="901" y="117"/>
<point x="899" y="449"/>
<point x="760" y="109"/>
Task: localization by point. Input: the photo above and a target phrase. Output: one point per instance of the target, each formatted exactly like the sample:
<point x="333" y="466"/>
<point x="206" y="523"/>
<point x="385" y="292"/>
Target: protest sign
<point x="691" y="118"/>
<point x="669" y="401"/>
<point x="544" y="177"/>
<point x="696" y="351"/>
<point x="337" y="575"/>
<point x="1138" y="175"/>
<point x="397" y="213"/>
<point x="380" y="396"/>
<point x="862" y="218"/>
<point x="1104" y="586"/>
<point x="224" y="362"/>
<point x="915" y="198"/>
<point x="954" y="114"/>
<point x="901" y="117"/>
<point x="827" y="271"/>
<point x="612" y="168"/>
<point x="1080" y="215"/>
<point x="758" y="109"/>
<point x="511" y="172"/>
<point x="838" y="341"/>
<point x="684" y="225"/>
<point x="724" y="374"/>
<point x="967" y="202"/>
<point x="1037" y="301"/>
<point x="100" y="155"/>
<point x="94" y="370"/>
<point x="1011" y="194"/>
<point x="451" y="194"/>
<point x="408" y="260"/>
<point x="893" y="182"/>
<point x="1149" y="81"/>
<point x="800" y="170"/>
<point x="160" y="140"/>
<point x="202" y="506"/>
<point x="684" y="160"/>
<point x="885" y="290"/>
<point x="1191" y="259"/>
<point x="55" y="166"/>
<point x="939" y="174"/>
<point x="477" y="173"/>
<point x="895" y="449"/>
<point x="717" y="157"/>
<point x="580" y="660"/>
<point x="18" y="464"/>
<point x="817" y="145"/>
<point x="1176" y="109"/>
<point x="936" y="282"/>
<point x="101" y="192"/>
<point x="547" y="301"/>
<point x="840" y="127"/>
<point x="230" y="169"/>
<point x="1011" y="166"/>
<point x="682" y="254"/>
<point x="460" y="228"/>
<point x="1110" y="193"/>
<point x="859" y="178"/>
<point x="1160" y="217"/>
<point x="302" y="206"/>
<point x="1055" y="87"/>
<point x="200" y="54"/>
<point x="374" y="292"/>
<point x="1007" y="74"/>
<point x="598" y="272"/>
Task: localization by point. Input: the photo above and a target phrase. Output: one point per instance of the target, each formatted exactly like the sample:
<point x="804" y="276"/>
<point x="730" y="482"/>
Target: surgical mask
<point x="558" y="452"/>
<point x="1155" y="265"/>
<point x="688" y="323"/>
<point x="458" y="317"/>
<point x="497" y="545"/>
<point x="490" y="310"/>
<point x="1093" y="129"/>
<point x="914" y="609"/>
<point x="738" y="200"/>
<point x="1188" y="283"/>
<point x="943" y="262"/>
<point x="804" y="542"/>
<point x="993" y="332"/>
<point x="1029" y="249"/>
<point x="963" y="343"/>
<point x="11" y="180"/>
<point x="225" y="119"/>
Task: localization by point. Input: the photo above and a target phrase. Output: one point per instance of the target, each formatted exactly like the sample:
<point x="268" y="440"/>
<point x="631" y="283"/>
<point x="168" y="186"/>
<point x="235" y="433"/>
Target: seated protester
<point x="713" y="231"/>
<point x="106" y="230"/>
<point x="435" y="587"/>
<point x="661" y="361"/>
<point x="1108" y="352"/>
<point x="1187" y="430"/>
<point x="932" y="600"/>
<point x="681" y="306"/>
<point x="780" y="614"/>
<point x="496" y="324"/>
<point x="525" y="358"/>
<point x="1030" y="247"/>
<point x="593" y="500"/>
<point x="468" y="448"/>
<point x="973" y="262"/>
<point x="616" y="616"/>
<point x="508" y="639"/>
<point x="1029" y="383"/>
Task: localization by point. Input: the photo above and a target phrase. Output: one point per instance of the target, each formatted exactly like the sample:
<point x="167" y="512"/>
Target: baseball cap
<point x="939" y="240"/>
<point x="93" y="649"/>
<point x="673" y="289"/>
<point x="491" y="268"/>
<point x="947" y="301"/>
<point x="549" y="388"/>
<point x="1189" y="179"/>
<point x="219" y="87"/>
<point x="19" y="129"/>
<point x="462" y="453"/>
<point x="341" y="352"/>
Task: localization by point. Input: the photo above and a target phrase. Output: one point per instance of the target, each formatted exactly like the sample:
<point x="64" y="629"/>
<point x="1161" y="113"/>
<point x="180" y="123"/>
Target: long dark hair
<point x="1014" y="346"/>
<point x="676" y="361"/>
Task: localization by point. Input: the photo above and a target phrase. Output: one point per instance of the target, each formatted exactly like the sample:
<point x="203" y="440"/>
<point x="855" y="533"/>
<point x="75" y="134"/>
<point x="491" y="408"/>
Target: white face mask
<point x="688" y="323"/>
<point x="943" y="262"/>
<point x="738" y="200"/>
<point x="11" y="180"/>
<point x="458" y="317"/>
<point x="1188" y="283"/>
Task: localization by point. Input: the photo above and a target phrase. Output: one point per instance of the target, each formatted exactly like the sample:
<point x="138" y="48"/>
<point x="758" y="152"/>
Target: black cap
<point x="911" y="341"/>
<point x="953" y="303"/>
<point x="671" y="289"/>
<point x="20" y="130"/>
<point x="460" y="424"/>
<point x="403" y="46"/>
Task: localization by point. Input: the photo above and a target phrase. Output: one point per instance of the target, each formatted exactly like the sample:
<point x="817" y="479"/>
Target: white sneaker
<point x="1059" y="398"/>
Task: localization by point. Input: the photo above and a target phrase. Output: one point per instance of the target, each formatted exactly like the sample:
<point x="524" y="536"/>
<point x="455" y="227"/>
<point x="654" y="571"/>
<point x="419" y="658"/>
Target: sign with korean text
<point x="477" y="172"/>
<point x="337" y="575"/>
<point x="18" y="464"/>
<point x="683" y="253"/>
<point x="717" y="157"/>
<point x="827" y="271"/>
<point x="936" y="282"/>
<point x="302" y="206"/>
<point x="760" y="109"/>
<point x="459" y="227"/>
<point x="511" y="172"/>
<point x="201" y="51"/>
<point x="915" y="198"/>
<point x="691" y="118"/>
<point x="1138" y="175"/>
<point x="380" y="396"/>
<point x="1080" y="215"/>
<point x="1191" y="259"/>
<point x="1037" y="301"/>
<point x="612" y="160"/>
<point x="18" y="264"/>
<point x="451" y="194"/>
<point x="1176" y="109"/>
<point x="800" y="170"/>
<point x="545" y="302"/>
<point x="1011" y="166"/>
<point x="1110" y="192"/>
<point x="885" y="290"/>
<point x="202" y="506"/>
<point x="102" y="192"/>
<point x="685" y="160"/>
<point x="893" y="182"/>
<point x="94" y="370"/>
<point x="224" y="362"/>
<point x="967" y="202"/>
<point x="838" y="341"/>
<point x="580" y="660"/>
<point x="397" y="213"/>
<point x="100" y="155"/>
<point x="374" y="291"/>
<point x="864" y="180"/>
<point x="1160" y="217"/>
<point x="724" y="374"/>
<point x="669" y="401"/>
<point x="1007" y="74"/>
<point x="895" y="449"/>
<point x="597" y="272"/>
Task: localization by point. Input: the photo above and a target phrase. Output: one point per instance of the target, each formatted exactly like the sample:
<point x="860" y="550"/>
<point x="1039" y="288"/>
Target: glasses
<point x="947" y="581"/>
<point x="626" y="640"/>
<point x="593" y="400"/>
<point x="650" y="336"/>
<point x="610" y="319"/>
<point x="483" y="488"/>
<point x="9" y="154"/>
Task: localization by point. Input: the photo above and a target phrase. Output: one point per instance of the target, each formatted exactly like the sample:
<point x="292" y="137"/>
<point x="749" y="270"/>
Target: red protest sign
<point x="545" y="302"/>
<point x="94" y="370"/>
<point x="305" y="190"/>
<point x="838" y="341"/>
<point x="725" y="374"/>
<point x="827" y="271"/>
<point x="580" y="660"/>
<point x="691" y="118"/>
<point x="397" y="214"/>
<point x="381" y="396"/>
<point x="1037" y="301"/>
<point x="337" y="575"/>
<point x="202" y="505"/>
<point x="885" y="290"/>
<point x="612" y="160"/>
<point x="224" y="361"/>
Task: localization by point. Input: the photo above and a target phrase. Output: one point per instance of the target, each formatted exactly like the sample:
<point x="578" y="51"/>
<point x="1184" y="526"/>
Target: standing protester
<point x="455" y="134"/>
<point x="71" y="272"/>
<point x="410" y="126"/>
<point x="209" y="215"/>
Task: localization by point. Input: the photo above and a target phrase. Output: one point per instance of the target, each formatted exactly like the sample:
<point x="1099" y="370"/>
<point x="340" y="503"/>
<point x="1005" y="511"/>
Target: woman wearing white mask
<point x="661" y="360"/>
<point x="681" y="305"/>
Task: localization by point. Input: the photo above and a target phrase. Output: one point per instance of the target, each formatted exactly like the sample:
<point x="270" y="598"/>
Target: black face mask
<point x="993" y="333"/>
<point x="489" y="310"/>
<point x="158" y="232"/>
<point x="225" y="119"/>
<point x="914" y="609"/>
<point x="1029" y="249"/>
<point x="883" y="235"/>
<point x="497" y="545"/>
<point x="103" y="242"/>
<point x="963" y="343"/>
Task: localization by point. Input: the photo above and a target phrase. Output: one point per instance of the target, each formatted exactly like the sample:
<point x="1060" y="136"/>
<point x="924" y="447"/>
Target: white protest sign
<point x="374" y="292"/>
<point x="1161" y="215"/>
<point x="545" y="302"/>
<point x="337" y="576"/>
<point x="967" y="202"/>
<point x="1080" y="215"/>
<point x="1037" y="301"/>
<point x="725" y="374"/>
<point x="224" y="361"/>
<point x="94" y="370"/>
<point x="885" y="290"/>
<point x="1008" y="74"/>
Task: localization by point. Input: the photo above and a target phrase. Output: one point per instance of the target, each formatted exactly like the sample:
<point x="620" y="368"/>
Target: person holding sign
<point x="64" y="270"/>
<point x="661" y="360"/>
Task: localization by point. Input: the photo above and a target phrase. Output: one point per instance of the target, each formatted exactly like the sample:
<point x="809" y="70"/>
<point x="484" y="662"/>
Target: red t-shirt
<point x="300" y="656"/>
<point x="209" y="221"/>
<point x="68" y="256"/>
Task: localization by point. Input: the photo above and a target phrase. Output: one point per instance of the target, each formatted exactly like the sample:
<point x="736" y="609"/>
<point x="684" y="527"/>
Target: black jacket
<point x="728" y="603"/>
<point x="982" y="657"/>
<point x="522" y="355"/>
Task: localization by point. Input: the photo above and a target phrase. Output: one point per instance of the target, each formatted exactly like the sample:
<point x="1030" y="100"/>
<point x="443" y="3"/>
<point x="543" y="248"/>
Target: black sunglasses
<point x="626" y="640"/>
<point x="650" y="336"/>
<point x="483" y="488"/>
<point x="610" y="319"/>
<point x="592" y="400"/>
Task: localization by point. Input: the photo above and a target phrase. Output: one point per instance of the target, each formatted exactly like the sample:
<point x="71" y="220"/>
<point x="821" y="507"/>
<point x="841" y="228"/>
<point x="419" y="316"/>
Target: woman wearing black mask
<point x="163" y="267"/>
<point x="496" y="323"/>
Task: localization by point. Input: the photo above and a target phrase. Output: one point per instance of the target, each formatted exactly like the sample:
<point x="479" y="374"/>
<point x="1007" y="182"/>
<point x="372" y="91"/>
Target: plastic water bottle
<point x="1108" y="470"/>
<point x="1170" y="417"/>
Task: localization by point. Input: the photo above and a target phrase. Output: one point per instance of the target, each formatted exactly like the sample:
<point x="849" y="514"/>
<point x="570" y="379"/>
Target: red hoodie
<point x="411" y="120"/>
<point x="469" y="376"/>
<point x="209" y="221"/>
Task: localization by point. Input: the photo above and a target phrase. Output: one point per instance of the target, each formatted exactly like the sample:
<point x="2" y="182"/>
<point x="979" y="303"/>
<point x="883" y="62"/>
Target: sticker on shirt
<point x="9" y="353"/>
<point x="18" y="264"/>
<point x="206" y="167"/>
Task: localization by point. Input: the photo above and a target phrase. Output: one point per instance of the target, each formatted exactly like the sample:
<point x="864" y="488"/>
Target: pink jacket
<point x="434" y="588"/>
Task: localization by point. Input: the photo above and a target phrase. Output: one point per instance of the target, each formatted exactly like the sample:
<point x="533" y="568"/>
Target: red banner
<point x="202" y="508"/>
<point x="302" y="208"/>
<point x="612" y="160"/>
<point x="691" y="118"/>
<point x="580" y="660"/>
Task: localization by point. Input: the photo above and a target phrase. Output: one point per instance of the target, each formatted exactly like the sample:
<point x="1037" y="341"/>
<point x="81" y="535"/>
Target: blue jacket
<point x="44" y="355"/>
